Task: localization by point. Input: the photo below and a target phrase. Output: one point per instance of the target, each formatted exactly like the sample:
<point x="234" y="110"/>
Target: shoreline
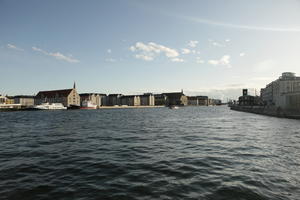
<point x="126" y="107"/>
<point x="267" y="111"/>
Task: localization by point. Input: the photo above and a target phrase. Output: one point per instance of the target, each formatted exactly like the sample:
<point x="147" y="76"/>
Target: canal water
<point x="157" y="153"/>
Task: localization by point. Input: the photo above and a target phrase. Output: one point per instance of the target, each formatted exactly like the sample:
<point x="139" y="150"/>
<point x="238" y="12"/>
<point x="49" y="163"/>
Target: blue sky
<point x="203" y="47"/>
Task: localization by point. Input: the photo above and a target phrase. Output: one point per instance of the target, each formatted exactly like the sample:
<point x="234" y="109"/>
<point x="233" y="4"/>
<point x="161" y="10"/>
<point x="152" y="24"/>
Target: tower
<point x="74" y="86"/>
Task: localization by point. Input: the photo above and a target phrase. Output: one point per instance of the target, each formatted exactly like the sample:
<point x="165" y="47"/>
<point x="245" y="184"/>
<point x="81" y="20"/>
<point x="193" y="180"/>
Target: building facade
<point x="114" y="99"/>
<point x="202" y="100"/>
<point x="147" y="99"/>
<point x="130" y="100"/>
<point x="94" y="98"/>
<point x="193" y="101"/>
<point x="24" y="100"/>
<point x="160" y="99"/>
<point x="283" y="92"/>
<point x="2" y="99"/>
<point x="9" y="100"/>
<point x="68" y="97"/>
<point x="176" y="98"/>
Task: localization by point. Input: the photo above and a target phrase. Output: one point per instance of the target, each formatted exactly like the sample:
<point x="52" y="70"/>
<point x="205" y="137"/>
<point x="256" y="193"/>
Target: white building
<point x="283" y="92"/>
<point x="95" y="98"/>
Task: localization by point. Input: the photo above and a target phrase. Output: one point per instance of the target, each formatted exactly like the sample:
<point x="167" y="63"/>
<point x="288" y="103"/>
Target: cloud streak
<point x="237" y="26"/>
<point x="11" y="46"/>
<point x="57" y="55"/>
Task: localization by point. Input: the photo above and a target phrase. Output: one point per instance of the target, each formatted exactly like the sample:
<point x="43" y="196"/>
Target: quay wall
<point x="268" y="110"/>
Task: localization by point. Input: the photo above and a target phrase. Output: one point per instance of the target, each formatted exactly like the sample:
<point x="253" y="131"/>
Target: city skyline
<point x="204" y="47"/>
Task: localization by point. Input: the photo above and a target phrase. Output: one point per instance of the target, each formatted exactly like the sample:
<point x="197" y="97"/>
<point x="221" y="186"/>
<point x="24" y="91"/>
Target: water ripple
<point x="205" y="153"/>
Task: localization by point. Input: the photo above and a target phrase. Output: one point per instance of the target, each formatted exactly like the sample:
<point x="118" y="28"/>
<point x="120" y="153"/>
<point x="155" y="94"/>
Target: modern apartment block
<point x="283" y="92"/>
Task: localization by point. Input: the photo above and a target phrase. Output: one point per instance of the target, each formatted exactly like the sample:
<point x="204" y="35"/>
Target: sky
<point x="205" y="47"/>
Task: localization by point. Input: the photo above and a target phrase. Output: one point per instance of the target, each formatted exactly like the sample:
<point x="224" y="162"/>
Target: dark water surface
<point x="189" y="153"/>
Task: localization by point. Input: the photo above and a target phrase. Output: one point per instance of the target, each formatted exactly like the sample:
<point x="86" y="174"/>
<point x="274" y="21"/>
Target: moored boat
<point x="173" y="107"/>
<point x="88" y="105"/>
<point x="50" y="106"/>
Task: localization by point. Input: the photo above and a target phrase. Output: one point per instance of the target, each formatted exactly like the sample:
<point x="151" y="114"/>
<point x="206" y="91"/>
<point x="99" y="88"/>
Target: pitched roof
<point x="129" y="96"/>
<point x="24" y="96"/>
<point x="53" y="93"/>
<point x="88" y="94"/>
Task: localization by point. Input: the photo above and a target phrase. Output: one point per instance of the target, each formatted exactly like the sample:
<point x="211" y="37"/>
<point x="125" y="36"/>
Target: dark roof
<point x="159" y="95"/>
<point x="114" y="95"/>
<point x="52" y="93"/>
<point x="146" y="95"/>
<point x="202" y="97"/>
<point x="88" y="94"/>
<point x="24" y="96"/>
<point x="129" y="96"/>
<point x="192" y="98"/>
<point x="174" y="94"/>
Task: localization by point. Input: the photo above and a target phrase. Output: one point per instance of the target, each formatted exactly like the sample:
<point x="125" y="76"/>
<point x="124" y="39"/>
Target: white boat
<point x="88" y="105"/>
<point x="173" y="107"/>
<point x="52" y="106"/>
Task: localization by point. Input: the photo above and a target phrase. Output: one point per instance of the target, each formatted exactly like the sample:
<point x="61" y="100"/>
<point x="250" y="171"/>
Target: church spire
<point x="74" y="86"/>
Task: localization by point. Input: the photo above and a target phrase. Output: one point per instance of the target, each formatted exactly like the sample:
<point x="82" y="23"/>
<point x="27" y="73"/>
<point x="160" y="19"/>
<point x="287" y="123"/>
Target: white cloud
<point x="227" y="40"/>
<point x="213" y="62"/>
<point x="151" y="50"/>
<point x="177" y="60"/>
<point x="199" y="60"/>
<point x="242" y="54"/>
<point x="109" y="51"/>
<point x="57" y="55"/>
<point x="185" y="51"/>
<point x="193" y="43"/>
<point x="10" y="46"/>
<point x="224" y="61"/>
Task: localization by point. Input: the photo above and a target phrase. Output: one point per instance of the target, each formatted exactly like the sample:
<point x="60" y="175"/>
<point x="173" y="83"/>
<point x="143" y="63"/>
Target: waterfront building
<point x="217" y="102"/>
<point x="193" y="101"/>
<point x="147" y="99"/>
<point x="249" y="100"/>
<point x="160" y="99"/>
<point x="114" y="99"/>
<point x="130" y="100"/>
<point x="176" y="98"/>
<point x="94" y="98"/>
<point x="2" y="99"/>
<point x="202" y="100"/>
<point x="283" y="92"/>
<point x="24" y="100"/>
<point x="9" y="100"/>
<point x="68" y="97"/>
